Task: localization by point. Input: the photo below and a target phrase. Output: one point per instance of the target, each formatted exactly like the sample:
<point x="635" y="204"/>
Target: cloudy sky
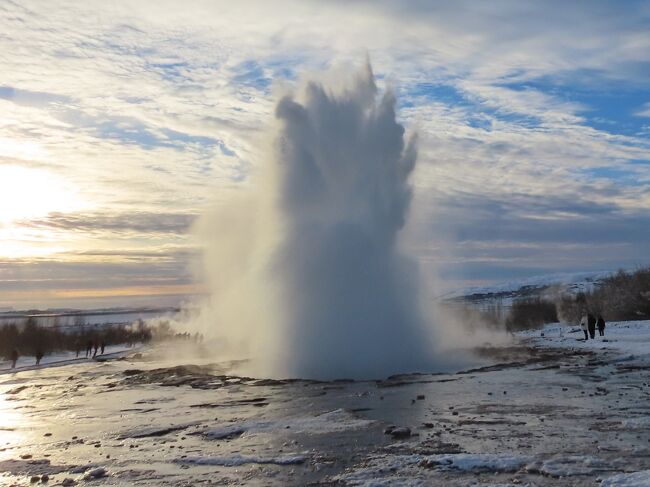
<point x="121" y="121"/>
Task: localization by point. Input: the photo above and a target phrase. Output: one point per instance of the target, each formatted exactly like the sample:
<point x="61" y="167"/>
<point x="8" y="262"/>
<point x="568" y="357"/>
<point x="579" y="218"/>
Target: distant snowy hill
<point x="504" y="293"/>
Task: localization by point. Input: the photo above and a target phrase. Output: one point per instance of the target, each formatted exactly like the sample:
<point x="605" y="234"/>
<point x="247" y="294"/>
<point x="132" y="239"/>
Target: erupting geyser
<point x="305" y="268"/>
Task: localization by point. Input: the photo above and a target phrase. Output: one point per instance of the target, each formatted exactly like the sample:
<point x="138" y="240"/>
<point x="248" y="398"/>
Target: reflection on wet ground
<point x="533" y="417"/>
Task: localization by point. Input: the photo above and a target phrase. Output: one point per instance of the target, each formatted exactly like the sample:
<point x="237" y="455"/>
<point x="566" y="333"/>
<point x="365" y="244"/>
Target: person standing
<point x="601" y="326"/>
<point x="14" y="358"/>
<point x="583" y="325"/>
<point x="39" y="356"/>
<point x="591" y="324"/>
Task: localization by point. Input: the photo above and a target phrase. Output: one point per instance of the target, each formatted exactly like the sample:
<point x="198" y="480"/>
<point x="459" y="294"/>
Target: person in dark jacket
<point x="39" y="356"/>
<point x="591" y="324"/>
<point x="601" y="326"/>
<point x="14" y="358"/>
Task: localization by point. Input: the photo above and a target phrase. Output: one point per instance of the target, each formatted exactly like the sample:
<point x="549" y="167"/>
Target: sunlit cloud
<point x="120" y="122"/>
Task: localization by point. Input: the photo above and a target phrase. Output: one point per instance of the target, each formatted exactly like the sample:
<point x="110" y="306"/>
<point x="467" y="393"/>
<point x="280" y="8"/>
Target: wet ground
<point x="536" y="416"/>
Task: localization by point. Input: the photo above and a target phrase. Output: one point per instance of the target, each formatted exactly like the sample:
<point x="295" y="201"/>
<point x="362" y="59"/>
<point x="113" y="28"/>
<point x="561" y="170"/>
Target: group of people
<point x="92" y="348"/>
<point x="38" y="355"/>
<point x="589" y="323"/>
<point x="96" y="345"/>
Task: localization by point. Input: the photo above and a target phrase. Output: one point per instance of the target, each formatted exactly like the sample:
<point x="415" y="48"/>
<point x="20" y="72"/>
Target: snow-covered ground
<point x="551" y="410"/>
<point x="28" y="362"/>
<point x="625" y="337"/>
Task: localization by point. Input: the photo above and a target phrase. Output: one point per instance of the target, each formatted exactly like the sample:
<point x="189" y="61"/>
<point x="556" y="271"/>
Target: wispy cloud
<point x="531" y="115"/>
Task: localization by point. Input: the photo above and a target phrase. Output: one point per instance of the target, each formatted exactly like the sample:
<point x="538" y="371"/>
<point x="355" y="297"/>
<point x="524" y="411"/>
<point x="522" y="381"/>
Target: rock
<point x="400" y="432"/>
<point x="47" y="434"/>
<point x="26" y="456"/>
<point x="68" y="482"/>
<point x="35" y="479"/>
<point x="388" y="430"/>
<point x="96" y="473"/>
<point x="454" y="413"/>
<point x="45" y="478"/>
<point x="420" y="397"/>
<point x="427" y="425"/>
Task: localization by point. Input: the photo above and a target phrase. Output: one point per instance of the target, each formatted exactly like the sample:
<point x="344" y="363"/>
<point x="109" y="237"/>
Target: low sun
<point x="27" y="193"/>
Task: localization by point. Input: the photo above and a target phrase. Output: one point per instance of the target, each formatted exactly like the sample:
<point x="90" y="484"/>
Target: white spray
<point x="304" y="269"/>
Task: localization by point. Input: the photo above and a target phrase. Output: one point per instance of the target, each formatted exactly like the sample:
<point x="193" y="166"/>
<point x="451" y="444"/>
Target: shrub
<point x="530" y="313"/>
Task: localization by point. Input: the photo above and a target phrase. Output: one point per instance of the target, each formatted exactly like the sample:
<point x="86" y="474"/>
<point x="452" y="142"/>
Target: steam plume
<point x="305" y="268"/>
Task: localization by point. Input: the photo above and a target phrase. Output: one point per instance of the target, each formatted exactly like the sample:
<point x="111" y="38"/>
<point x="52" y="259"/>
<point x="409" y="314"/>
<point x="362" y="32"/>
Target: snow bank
<point x="330" y="422"/>
<point x="636" y="479"/>
<point x="236" y="460"/>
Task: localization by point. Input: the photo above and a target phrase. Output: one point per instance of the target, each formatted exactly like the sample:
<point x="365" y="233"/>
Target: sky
<point x="120" y="123"/>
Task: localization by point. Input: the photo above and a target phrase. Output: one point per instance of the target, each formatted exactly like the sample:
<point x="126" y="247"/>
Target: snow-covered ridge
<point x="567" y="283"/>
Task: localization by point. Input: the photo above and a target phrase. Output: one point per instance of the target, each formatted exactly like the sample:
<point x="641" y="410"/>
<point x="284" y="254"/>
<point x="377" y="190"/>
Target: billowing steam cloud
<point x="305" y="268"/>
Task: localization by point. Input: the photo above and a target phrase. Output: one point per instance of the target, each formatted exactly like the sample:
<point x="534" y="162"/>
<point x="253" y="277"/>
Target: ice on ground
<point x="405" y="469"/>
<point x="483" y="462"/>
<point x="411" y="467"/>
<point x="636" y="479"/>
<point x="236" y="460"/>
<point x="156" y="430"/>
<point x="636" y="423"/>
<point x="569" y="466"/>
<point x="334" y="421"/>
